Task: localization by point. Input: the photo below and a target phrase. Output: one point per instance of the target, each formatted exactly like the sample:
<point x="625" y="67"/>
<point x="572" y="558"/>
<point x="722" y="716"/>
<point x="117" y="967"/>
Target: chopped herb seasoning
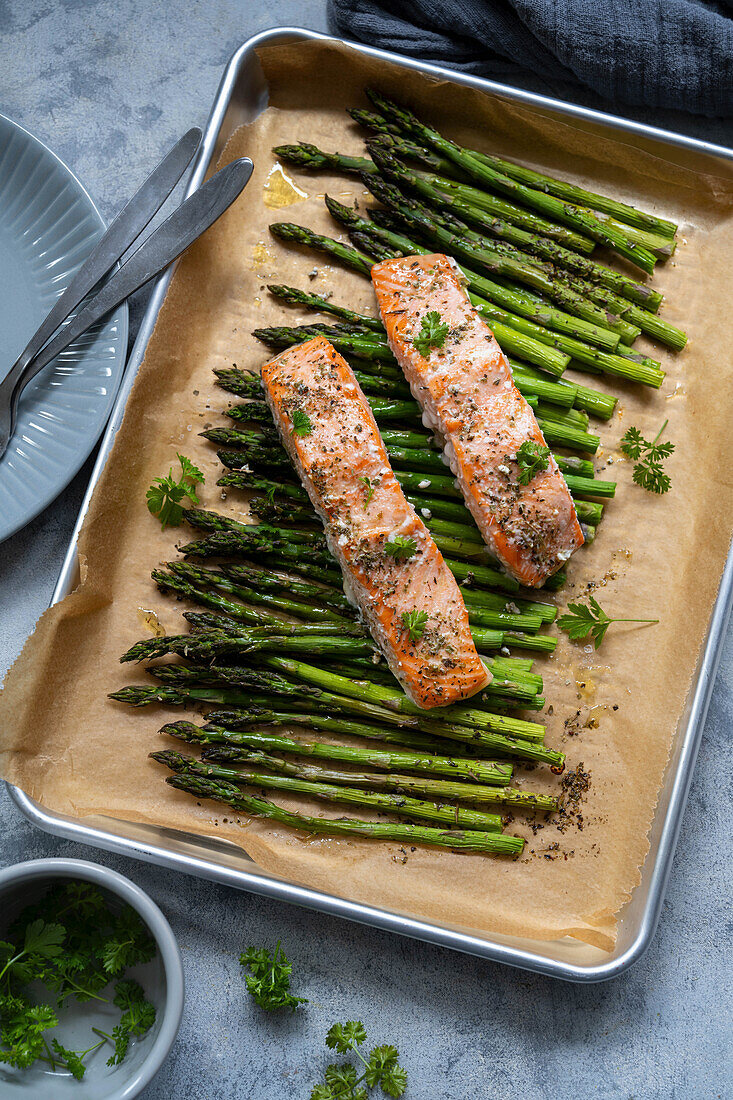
<point x="370" y="487"/>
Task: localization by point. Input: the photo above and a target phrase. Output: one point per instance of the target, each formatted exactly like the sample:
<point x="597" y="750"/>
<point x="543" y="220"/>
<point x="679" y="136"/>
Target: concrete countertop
<point x="110" y="85"/>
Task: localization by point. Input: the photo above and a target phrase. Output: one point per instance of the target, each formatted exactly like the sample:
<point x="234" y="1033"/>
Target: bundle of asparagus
<point x="545" y="289"/>
<point x="271" y="603"/>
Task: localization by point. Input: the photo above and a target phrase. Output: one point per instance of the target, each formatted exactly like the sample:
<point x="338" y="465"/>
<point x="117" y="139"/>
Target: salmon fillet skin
<point x="393" y="571"/>
<point x="463" y="383"/>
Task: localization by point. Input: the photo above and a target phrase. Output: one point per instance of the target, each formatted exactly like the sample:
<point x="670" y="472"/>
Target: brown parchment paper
<point x="616" y="711"/>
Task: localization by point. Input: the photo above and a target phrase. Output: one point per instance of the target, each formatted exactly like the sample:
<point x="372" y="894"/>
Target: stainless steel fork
<point x="164" y="245"/>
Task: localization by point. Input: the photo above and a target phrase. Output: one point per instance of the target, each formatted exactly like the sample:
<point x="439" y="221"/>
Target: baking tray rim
<point x="259" y="883"/>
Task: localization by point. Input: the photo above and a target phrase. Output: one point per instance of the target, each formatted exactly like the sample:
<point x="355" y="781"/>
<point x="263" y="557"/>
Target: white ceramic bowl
<point x="162" y="980"/>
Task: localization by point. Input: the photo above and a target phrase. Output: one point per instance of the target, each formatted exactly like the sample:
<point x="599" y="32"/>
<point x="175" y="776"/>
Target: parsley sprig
<point x="269" y="978"/>
<point x="432" y="333"/>
<point x="531" y="458"/>
<point x="400" y="547"/>
<point x="165" y="495"/>
<point x="73" y="944"/>
<point x="648" y="472"/>
<point x="301" y="422"/>
<point x="414" y="623"/>
<point x="583" y="620"/>
<point x="381" y="1068"/>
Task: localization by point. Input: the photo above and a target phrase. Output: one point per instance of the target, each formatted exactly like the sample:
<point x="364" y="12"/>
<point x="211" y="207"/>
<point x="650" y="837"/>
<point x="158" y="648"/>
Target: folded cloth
<point x="652" y="53"/>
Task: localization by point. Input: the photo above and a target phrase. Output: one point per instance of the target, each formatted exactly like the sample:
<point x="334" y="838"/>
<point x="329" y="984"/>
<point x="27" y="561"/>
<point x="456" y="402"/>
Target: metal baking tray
<point x="242" y="95"/>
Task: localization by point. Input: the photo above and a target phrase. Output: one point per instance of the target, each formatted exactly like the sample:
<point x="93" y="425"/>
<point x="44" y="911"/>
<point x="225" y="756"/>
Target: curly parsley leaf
<point x="651" y="476"/>
<point x="384" y="1070"/>
<point x="345" y="1037"/>
<point x="301" y="422"/>
<point x="414" y="623"/>
<point x="583" y="620"/>
<point x="432" y="333"/>
<point x="137" y="1018"/>
<point x="22" y="1026"/>
<point x="633" y="443"/>
<point x="165" y="495"/>
<point x="269" y="978"/>
<point x="129" y="944"/>
<point x="531" y="458"/>
<point x="400" y="547"/>
<point x="648" y="471"/>
<point x="70" y="1058"/>
<point x="381" y="1068"/>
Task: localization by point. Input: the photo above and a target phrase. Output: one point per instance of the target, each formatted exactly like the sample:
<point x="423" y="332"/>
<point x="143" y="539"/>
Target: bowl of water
<point x="33" y="890"/>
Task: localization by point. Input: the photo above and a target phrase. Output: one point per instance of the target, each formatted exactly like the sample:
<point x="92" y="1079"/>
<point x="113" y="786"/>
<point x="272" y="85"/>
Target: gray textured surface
<point x="110" y="85"/>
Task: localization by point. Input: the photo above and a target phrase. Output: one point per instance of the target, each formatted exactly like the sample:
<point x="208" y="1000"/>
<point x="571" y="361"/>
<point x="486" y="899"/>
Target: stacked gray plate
<point x="48" y="225"/>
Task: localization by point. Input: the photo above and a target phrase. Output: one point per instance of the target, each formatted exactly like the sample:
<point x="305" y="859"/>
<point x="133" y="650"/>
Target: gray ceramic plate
<point x="48" y="225"/>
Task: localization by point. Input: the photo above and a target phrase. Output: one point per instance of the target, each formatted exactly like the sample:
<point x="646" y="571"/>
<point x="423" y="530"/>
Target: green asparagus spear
<point x="403" y="805"/>
<point x="496" y="843"/>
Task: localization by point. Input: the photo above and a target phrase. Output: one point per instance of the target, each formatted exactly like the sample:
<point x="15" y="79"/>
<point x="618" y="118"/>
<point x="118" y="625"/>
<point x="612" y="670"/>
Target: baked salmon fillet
<point x="463" y="383"/>
<point x="393" y="571"/>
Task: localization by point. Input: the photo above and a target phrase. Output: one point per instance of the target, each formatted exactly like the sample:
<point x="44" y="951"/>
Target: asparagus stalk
<point x="376" y="378"/>
<point x="335" y="598"/>
<point x="210" y="644"/>
<point x="495" y="843"/>
<point x="255" y="709"/>
<point x="478" y="208"/>
<point x="480" y="291"/>
<point x="604" y="296"/>
<point x="513" y="341"/>
<point x="232" y="543"/>
<point x="588" y="323"/>
<point x="198" y="593"/>
<point x="310" y="157"/>
<point x="620" y="211"/>
<point x="361" y="668"/>
<point x="450" y="235"/>
<point x="497" y="733"/>
<point x="224" y="726"/>
<point x="406" y="449"/>
<point x="263" y="536"/>
<point x="391" y="698"/>
<point x="245" y="644"/>
<point x="323" y="305"/>
<point x="388" y="760"/>
<point x="298" y="234"/>
<point x="198" y="576"/>
<point x="649" y="323"/>
<point x="403" y="805"/>
<point x="597" y="402"/>
<point x="282" y="553"/>
<point x="583" y="356"/>
<point x="659" y="241"/>
<point x="560" y="430"/>
<point x="478" y="794"/>
<point x="492" y="578"/>
<point x="566" y="213"/>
